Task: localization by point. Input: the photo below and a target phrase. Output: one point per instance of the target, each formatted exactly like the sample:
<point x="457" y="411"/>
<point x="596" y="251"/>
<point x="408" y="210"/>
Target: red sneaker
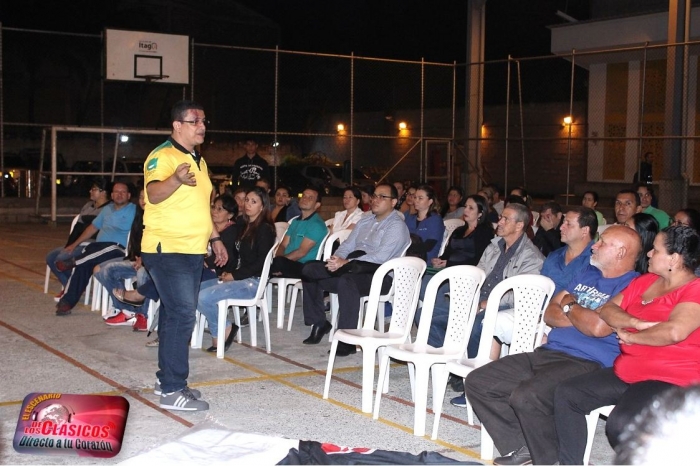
<point x="141" y="323"/>
<point x="58" y="297"/>
<point x="120" y="319"/>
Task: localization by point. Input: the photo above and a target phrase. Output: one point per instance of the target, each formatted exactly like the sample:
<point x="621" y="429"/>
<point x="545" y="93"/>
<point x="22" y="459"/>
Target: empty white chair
<point x="531" y="295"/>
<point x="592" y="423"/>
<point x="339" y="236"/>
<point x="259" y="300"/>
<point x="465" y="282"/>
<point x="450" y="226"/>
<point x="408" y="272"/>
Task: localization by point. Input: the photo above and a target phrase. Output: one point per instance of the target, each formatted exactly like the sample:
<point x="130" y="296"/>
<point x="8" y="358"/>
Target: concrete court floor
<point x="250" y="391"/>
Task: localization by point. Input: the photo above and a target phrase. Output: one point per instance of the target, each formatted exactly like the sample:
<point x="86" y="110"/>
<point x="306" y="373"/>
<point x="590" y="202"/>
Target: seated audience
<point x="688" y="217"/>
<point x="367" y="192"/>
<point x="646" y="198"/>
<point x="548" y="236"/>
<point x="626" y="205"/>
<point x="646" y="226"/>
<point x="427" y="228"/>
<point x="514" y="395"/>
<point x="590" y="200"/>
<point x="401" y="190"/>
<point x="346" y="219"/>
<point x="303" y="238"/>
<point x="488" y="193"/>
<point x="257" y="236"/>
<point x="99" y="197"/>
<point x="285" y="207"/>
<point x="454" y="206"/>
<point x="496" y="201"/>
<point x="464" y="247"/>
<point x="112" y="226"/>
<point x="656" y="322"/>
<point x="409" y="206"/>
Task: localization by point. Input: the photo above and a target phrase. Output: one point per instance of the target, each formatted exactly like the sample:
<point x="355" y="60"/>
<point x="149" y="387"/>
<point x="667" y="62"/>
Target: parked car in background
<point x="78" y="185"/>
<point x="331" y="179"/>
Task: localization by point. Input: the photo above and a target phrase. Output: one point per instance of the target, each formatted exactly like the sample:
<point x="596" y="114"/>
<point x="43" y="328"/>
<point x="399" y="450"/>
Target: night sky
<point x="401" y="29"/>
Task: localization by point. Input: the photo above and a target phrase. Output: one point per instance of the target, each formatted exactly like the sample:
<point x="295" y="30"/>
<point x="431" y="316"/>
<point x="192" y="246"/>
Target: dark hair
<point x="647" y="227"/>
<point x="514" y="199"/>
<point x="431" y="195"/>
<point x="318" y="191"/>
<point x="632" y="192"/>
<point x="446" y="205"/>
<point x="180" y="109"/>
<point x="357" y="194"/>
<point x="482" y="206"/>
<point x="494" y="187"/>
<point x="685" y="241"/>
<point x="553" y="206"/>
<point x="264" y="180"/>
<point x="693" y="217"/>
<point x="648" y="187"/>
<point x="228" y="203"/>
<point x="102" y="184"/>
<point x="252" y="228"/>
<point x="250" y="139"/>
<point x="586" y="218"/>
<point x="522" y="190"/>
<point x="592" y="193"/>
<point x="281" y="186"/>
<point x="392" y="188"/>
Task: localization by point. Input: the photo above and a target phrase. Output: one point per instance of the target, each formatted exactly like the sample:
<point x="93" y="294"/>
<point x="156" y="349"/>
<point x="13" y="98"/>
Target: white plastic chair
<point x="592" y="423"/>
<point x="535" y="217"/>
<point x="283" y="283"/>
<point x="339" y="236"/>
<point x="465" y="282"/>
<point x="408" y="272"/>
<point x="450" y="226"/>
<point x="383" y="299"/>
<point x="259" y="300"/>
<point x="281" y="229"/>
<point x="531" y="297"/>
<point x="48" y="270"/>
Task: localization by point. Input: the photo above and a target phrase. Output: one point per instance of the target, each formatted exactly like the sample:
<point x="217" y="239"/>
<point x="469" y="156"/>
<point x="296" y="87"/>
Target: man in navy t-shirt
<point x="514" y="396"/>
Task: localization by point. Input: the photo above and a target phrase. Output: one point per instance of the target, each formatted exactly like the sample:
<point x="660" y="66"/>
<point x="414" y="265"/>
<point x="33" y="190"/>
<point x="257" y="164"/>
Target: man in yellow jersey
<point x="177" y="227"/>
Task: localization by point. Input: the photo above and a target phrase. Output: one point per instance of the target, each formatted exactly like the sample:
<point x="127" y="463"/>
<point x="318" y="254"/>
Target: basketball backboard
<point x="146" y="56"/>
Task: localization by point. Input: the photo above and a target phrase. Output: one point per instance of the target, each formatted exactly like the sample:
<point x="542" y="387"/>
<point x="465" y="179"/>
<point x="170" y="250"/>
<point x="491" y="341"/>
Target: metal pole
<point x="274" y="139"/>
<point x="571" y="114"/>
<point x="450" y="155"/>
<point x="522" y="121"/>
<point x="352" y="116"/>
<point x="114" y="157"/>
<point x="191" y="70"/>
<point x="641" y="113"/>
<point x="41" y="167"/>
<point x="2" y="124"/>
<point x="102" y="98"/>
<point x="422" y="114"/>
<point x="53" y="175"/>
<point x="505" y="169"/>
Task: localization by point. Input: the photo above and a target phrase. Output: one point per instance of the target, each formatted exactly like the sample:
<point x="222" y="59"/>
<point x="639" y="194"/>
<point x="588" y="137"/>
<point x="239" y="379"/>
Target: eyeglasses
<point x="197" y="122"/>
<point x="679" y="222"/>
<point x="506" y="219"/>
<point x="381" y="196"/>
<point x="95" y="189"/>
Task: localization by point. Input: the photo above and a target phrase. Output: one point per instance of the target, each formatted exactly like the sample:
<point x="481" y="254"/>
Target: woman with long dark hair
<point x="647" y="227"/>
<point x="255" y="240"/>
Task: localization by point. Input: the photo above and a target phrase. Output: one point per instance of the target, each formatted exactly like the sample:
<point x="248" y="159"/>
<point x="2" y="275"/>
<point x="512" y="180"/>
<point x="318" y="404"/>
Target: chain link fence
<point x="293" y="104"/>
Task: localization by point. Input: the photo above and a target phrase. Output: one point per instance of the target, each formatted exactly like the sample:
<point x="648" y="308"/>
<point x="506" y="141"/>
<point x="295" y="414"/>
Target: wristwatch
<point x="567" y="307"/>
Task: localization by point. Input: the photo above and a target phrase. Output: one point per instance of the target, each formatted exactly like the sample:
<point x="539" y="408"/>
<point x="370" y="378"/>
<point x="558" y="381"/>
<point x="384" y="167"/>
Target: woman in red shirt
<point x="657" y="321"/>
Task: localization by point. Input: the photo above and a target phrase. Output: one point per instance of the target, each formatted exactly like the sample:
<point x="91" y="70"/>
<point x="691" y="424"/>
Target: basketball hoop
<point x="149" y="78"/>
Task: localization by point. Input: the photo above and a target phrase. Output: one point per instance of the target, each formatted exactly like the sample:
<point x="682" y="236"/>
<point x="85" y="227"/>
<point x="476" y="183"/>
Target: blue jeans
<point x="113" y="274"/>
<point x="441" y="313"/>
<point x="58" y="255"/>
<point x="177" y="278"/>
<point x="211" y="292"/>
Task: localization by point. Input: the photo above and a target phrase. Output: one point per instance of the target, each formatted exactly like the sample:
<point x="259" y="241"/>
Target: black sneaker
<point x="517" y="457"/>
<point x="244" y="319"/>
<point x="456" y="383"/>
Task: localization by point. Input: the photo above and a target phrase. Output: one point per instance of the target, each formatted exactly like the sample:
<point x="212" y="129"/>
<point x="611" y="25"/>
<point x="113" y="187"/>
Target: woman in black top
<point x="256" y="239"/>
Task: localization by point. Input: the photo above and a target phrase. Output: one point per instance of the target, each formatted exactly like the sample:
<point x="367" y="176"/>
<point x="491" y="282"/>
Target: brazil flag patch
<point x="152" y="164"/>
